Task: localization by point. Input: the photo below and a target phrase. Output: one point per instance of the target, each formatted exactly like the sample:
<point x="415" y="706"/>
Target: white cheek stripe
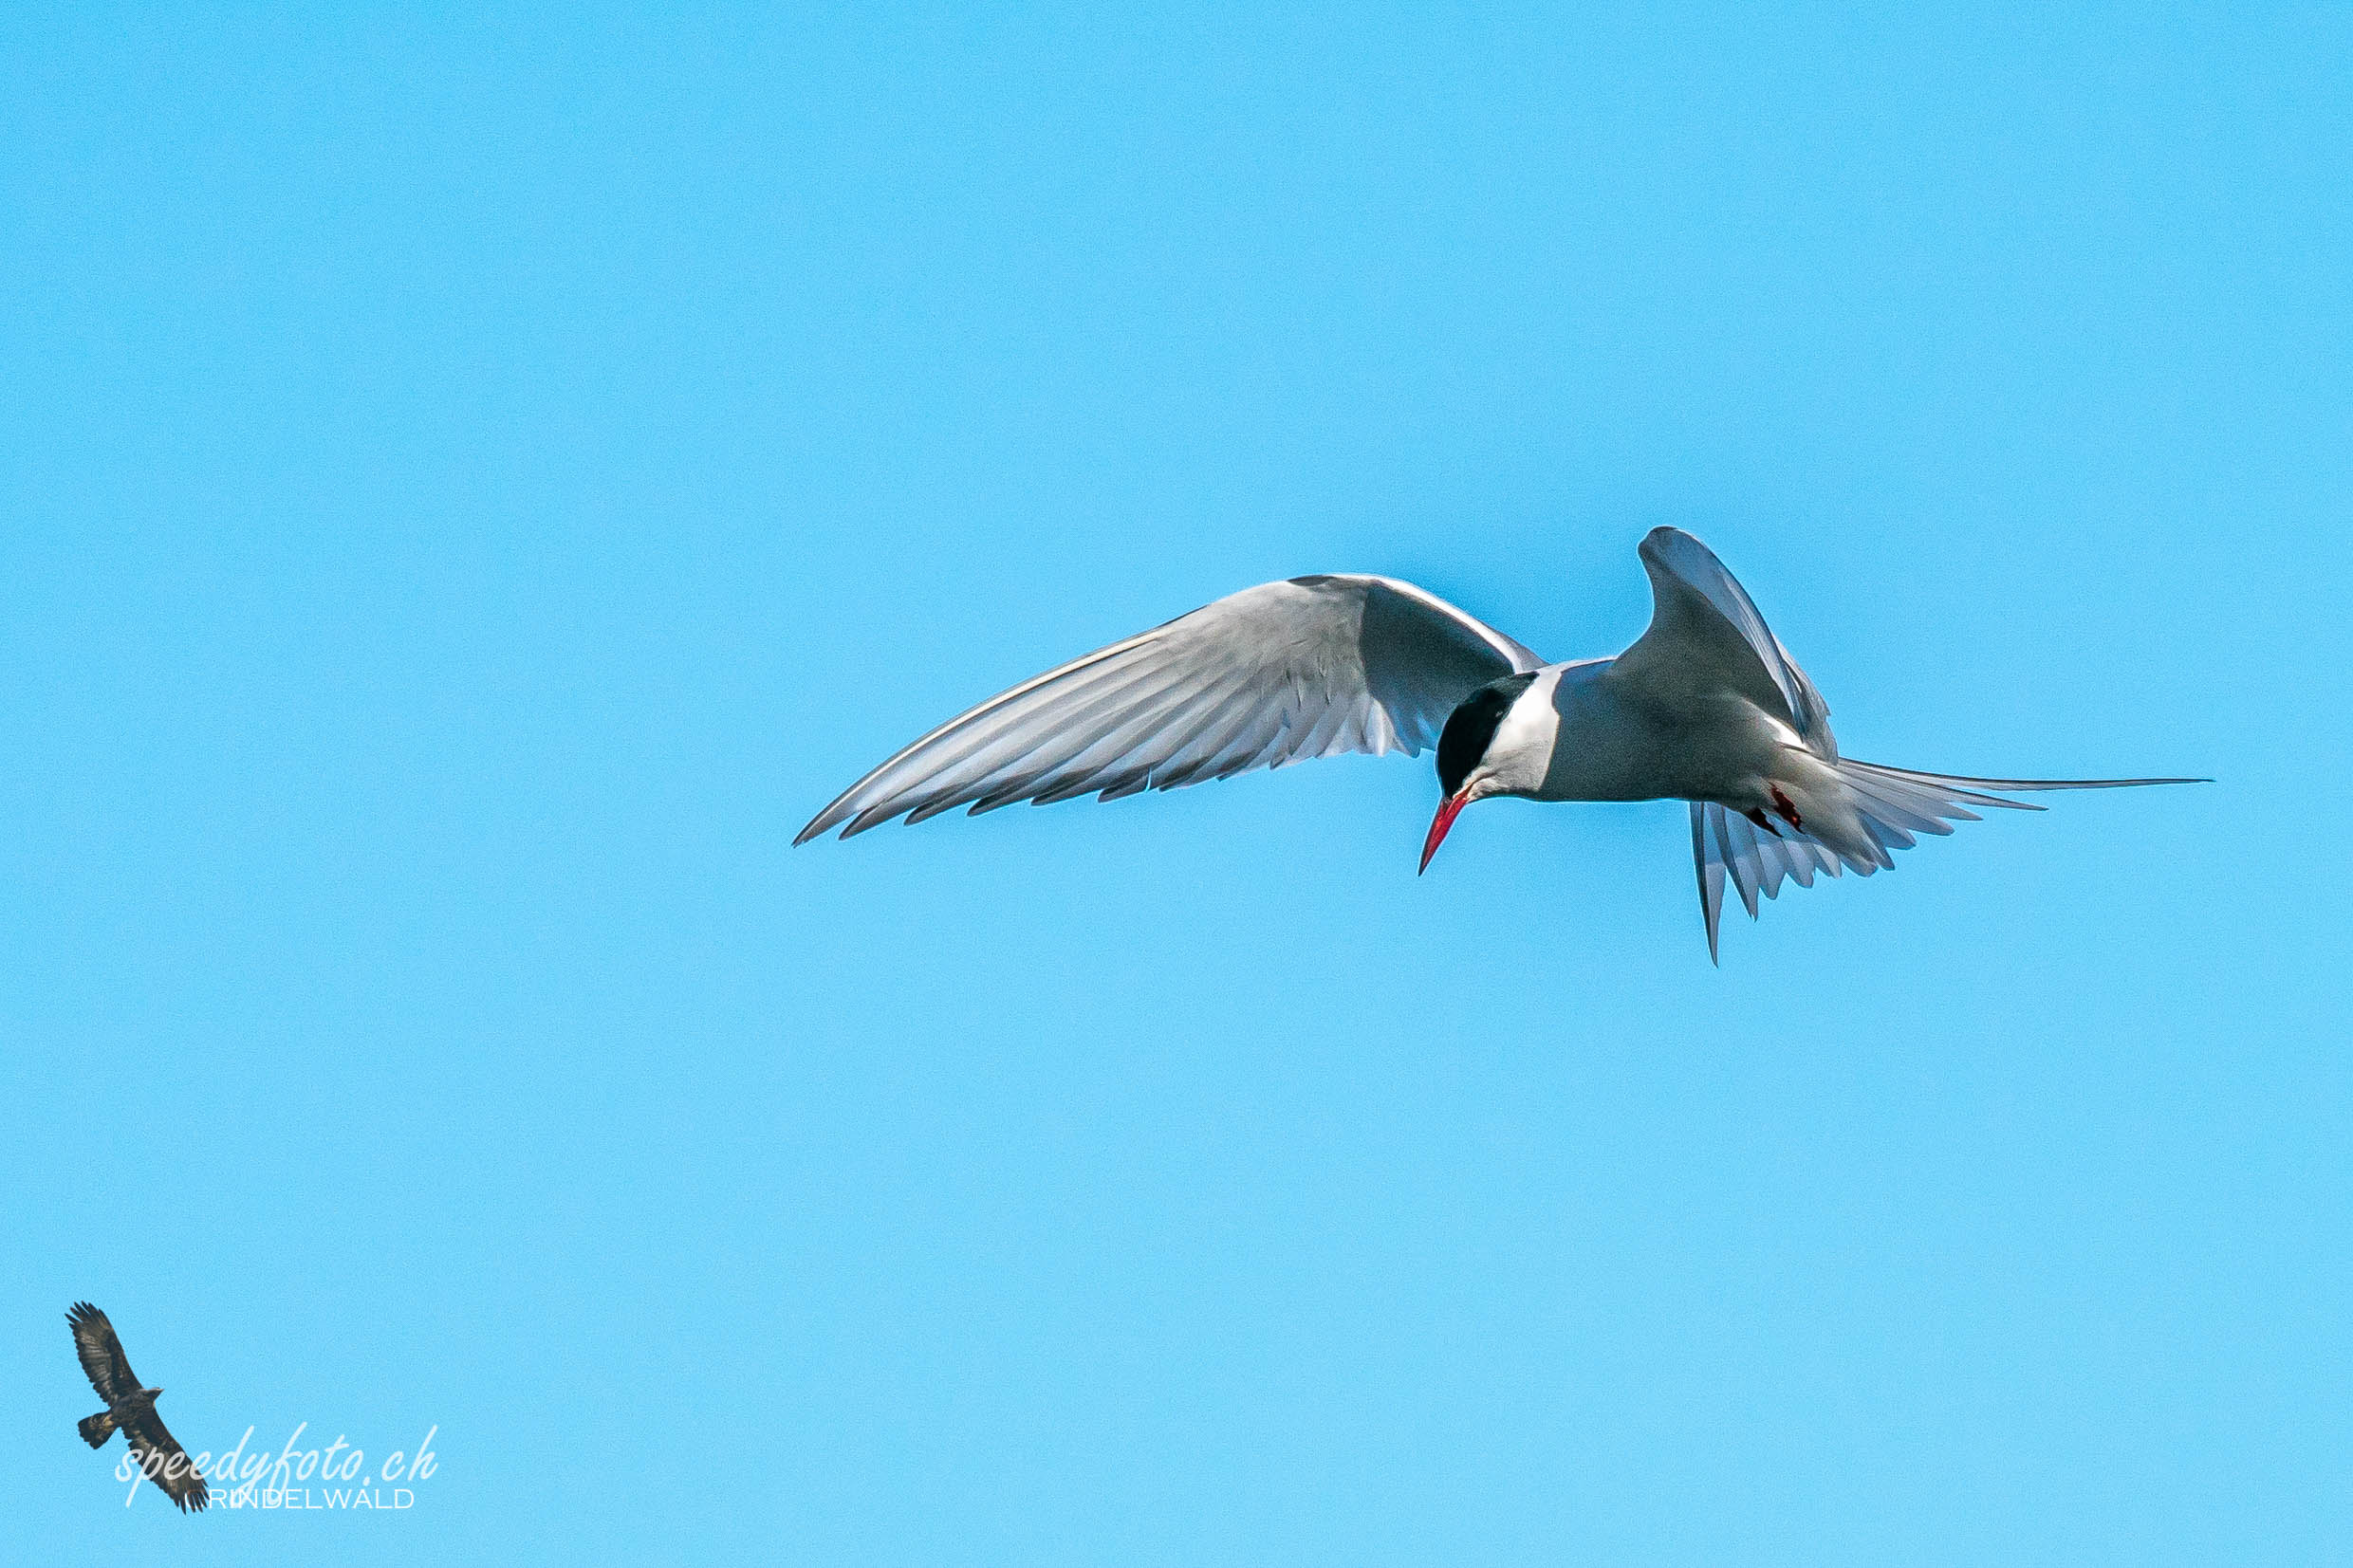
<point x="1521" y="753"/>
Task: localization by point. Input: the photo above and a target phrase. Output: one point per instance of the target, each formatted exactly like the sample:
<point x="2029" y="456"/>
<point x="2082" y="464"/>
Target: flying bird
<point x="1706" y="707"/>
<point x="131" y="1409"/>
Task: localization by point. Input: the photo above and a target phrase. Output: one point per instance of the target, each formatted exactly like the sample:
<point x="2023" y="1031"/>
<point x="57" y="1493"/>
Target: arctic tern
<point x="1706" y="707"/>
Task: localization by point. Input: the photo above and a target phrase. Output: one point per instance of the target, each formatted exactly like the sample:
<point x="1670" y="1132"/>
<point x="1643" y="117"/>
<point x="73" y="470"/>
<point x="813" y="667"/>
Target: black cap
<point x="1471" y="729"/>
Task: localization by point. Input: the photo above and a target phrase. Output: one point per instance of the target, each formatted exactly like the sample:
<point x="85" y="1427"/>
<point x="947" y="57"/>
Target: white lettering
<point x="425" y="1464"/>
<point x="234" y="1457"/>
<point x="277" y="1471"/>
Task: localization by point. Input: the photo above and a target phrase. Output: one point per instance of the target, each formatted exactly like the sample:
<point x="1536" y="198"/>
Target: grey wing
<point x="1305" y="668"/>
<point x="1703" y="621"/>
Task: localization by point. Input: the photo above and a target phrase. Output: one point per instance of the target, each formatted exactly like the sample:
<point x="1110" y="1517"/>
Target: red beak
<point x="1448" y="809"/>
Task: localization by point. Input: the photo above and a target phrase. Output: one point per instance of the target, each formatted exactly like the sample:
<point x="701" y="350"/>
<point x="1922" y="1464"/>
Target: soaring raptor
<point x="130" y="1409"/>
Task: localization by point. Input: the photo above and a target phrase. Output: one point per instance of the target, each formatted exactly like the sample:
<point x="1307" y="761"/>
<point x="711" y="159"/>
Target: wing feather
<point x="991" y="742"/>
<point x="1047" y="763"/>
<point x="1199" y="753"/>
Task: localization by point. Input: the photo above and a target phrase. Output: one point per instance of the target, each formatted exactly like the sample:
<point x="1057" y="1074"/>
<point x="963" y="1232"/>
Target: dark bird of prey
<point x="1706" y="707"/>
<point x="131" y="1409"/>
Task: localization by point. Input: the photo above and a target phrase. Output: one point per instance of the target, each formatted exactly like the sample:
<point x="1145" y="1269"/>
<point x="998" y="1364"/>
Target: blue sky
<point x="475" y="484"/>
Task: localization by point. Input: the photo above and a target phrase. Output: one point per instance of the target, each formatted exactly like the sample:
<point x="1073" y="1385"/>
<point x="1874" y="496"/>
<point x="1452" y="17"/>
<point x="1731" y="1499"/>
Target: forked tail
<point x="1895" y="806"/>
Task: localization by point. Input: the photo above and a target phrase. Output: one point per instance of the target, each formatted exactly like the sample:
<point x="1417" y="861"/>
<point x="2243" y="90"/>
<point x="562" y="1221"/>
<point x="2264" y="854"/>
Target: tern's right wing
<point x="1705" y="631"/>
<point x="1305" y="668"/>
